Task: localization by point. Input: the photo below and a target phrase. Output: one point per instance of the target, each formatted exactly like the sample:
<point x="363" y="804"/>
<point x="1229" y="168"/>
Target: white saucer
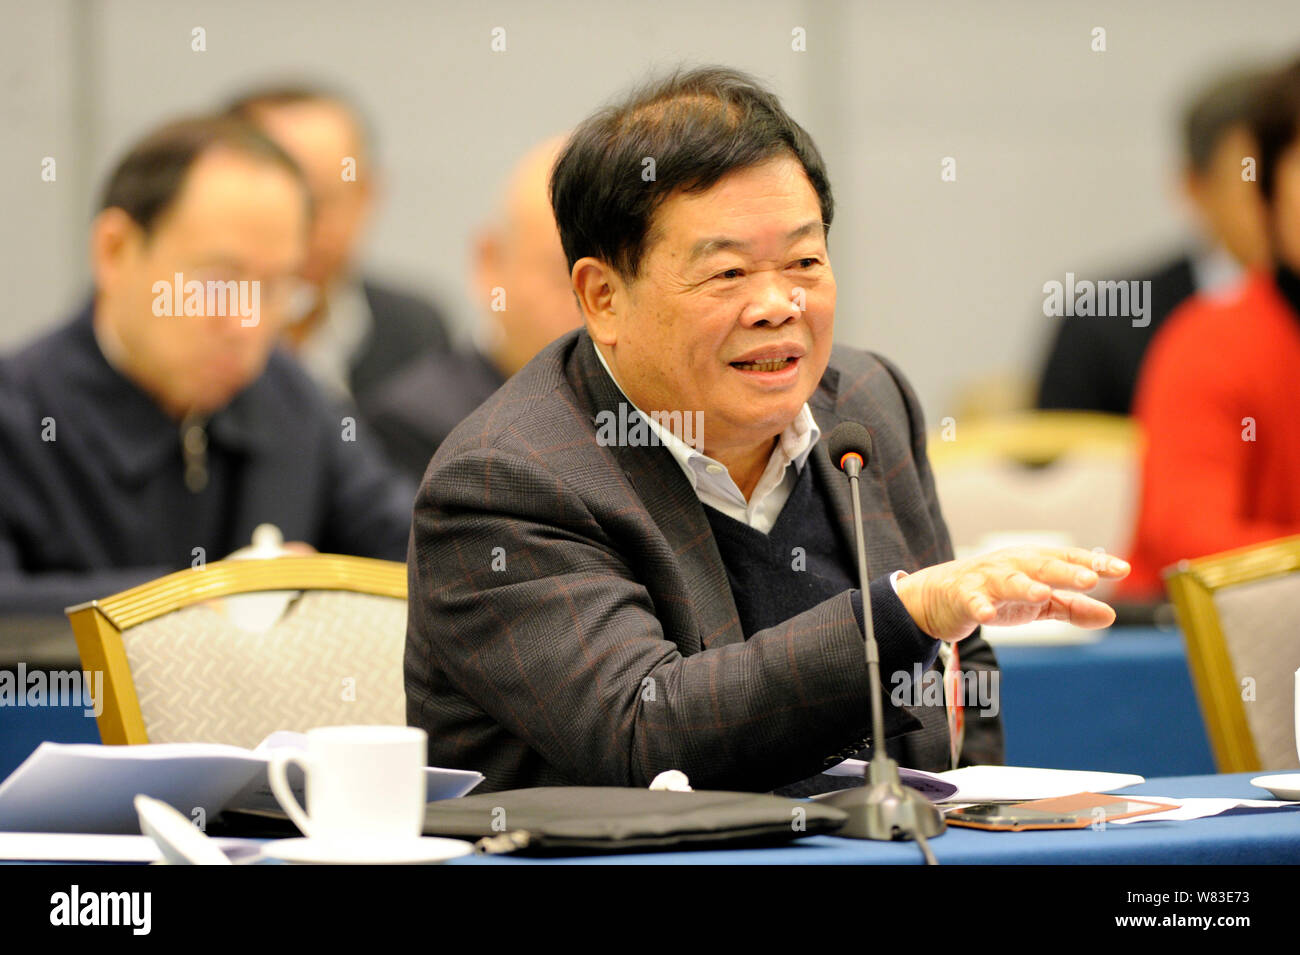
<point x="1284" y="786"/>
<point x="423" y="851"/>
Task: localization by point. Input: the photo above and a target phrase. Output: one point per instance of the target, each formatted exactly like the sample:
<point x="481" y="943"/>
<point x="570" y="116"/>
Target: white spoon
<point x="181" y="842"/>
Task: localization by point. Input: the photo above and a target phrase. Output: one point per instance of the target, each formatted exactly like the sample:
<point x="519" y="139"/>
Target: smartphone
<point x="1068" y="812"/>
<point x="1007" y="815"/>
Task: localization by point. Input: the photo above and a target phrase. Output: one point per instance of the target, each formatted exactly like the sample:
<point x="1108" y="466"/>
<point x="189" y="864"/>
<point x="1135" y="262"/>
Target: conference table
<point x="1267" y="837"/>
<point x="1270" y="837"/>
<point x="1122" y="704"/>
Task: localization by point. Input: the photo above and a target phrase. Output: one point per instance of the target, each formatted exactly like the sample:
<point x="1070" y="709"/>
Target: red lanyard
<point x="952" y="693"/>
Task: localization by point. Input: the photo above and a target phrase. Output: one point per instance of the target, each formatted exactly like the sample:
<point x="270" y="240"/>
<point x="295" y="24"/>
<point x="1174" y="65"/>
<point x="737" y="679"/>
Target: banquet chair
<point x="180" y="665"/>
<point x="1240" y="615"/>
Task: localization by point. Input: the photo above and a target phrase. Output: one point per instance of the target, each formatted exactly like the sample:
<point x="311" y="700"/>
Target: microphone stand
<point x="882" y="808"/>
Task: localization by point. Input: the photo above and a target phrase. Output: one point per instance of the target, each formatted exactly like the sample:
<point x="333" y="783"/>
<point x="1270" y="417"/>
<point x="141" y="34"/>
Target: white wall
<point x="1065" y="162"/>
<point x="1062" y="154"/>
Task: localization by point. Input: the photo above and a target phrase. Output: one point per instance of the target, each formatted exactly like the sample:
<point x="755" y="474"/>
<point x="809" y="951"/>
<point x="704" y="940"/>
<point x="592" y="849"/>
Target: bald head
<point x="520" y="273"/>
<point x="525" y="200"/>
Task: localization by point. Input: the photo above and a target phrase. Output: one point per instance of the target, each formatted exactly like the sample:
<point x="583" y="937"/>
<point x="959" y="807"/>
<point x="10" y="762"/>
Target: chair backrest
<point x="1070" y="473"/>
<point x="177" y="668"/>
<point x="1240" y="615"/>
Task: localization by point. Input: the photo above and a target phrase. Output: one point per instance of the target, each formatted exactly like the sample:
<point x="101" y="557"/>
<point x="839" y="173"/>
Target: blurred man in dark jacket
<point x="357" y="332"/>
<point x="521" y="284"/>
<point x="159" y="427"/>
<point x="1094" y="362"/>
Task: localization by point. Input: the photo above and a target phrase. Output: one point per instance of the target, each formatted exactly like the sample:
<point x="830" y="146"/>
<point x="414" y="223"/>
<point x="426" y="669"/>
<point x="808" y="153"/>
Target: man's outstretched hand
<point x="1009" y="587"/>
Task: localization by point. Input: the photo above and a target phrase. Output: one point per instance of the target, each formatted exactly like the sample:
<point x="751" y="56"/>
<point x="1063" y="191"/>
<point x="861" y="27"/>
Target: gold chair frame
<point x="98" y="624"/>
<point x="1192" y="585"/>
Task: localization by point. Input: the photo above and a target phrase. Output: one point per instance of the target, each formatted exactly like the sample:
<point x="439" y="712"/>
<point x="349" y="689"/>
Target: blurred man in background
<point x="357" y="332"/>
<point x="1094" y="362"/>
<point x="1217" y="398"/>
<point x="521" y="282"/>
<point x="159" y="427"/>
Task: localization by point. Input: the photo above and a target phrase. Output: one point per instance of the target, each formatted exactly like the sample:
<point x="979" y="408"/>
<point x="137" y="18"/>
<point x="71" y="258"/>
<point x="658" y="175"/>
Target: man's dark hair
<point x="148" y="179"/>
<point x="1276" y="123"/>
<point x="697" y="127"/>
<point x="1225" y="104"/>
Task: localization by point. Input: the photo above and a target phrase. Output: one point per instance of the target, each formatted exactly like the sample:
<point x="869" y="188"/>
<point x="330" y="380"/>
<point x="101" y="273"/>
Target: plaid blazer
<point x="570" y="618"/>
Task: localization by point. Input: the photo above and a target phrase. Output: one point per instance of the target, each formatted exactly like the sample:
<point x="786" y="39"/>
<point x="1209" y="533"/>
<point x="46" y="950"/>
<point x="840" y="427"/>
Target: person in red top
<point x="1218" y="393"/>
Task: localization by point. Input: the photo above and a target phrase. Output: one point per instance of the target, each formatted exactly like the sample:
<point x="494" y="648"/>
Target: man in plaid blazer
<point x="572" y="619"/>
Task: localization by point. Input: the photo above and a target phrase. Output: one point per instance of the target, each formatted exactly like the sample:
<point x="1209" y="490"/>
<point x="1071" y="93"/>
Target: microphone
<point x="882" y="808"/>
<point x="850" y="447"/>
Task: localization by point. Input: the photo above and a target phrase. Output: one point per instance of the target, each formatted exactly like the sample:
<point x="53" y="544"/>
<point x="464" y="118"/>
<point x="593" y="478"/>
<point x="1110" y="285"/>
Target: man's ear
<point x="600" y="294"/>
<point x="114" y="239"/>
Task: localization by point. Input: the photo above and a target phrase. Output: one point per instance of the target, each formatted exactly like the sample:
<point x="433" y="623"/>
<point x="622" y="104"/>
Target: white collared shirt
<point x="1214" y="270"/>
<point x="714" y="486"/>
<point x="712" y="481"/>
<point x="328" y="351"/>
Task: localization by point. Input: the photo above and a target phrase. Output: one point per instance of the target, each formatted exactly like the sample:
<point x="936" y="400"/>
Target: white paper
<point x="90" y="788"/>
<point x="84" y="787"/>
<point x="87" y="847"/>
<point x="78" y="847"/>
<point x="848" y="767"/>
<point x="1196" y="808"/>
<point x="977" y="784"/>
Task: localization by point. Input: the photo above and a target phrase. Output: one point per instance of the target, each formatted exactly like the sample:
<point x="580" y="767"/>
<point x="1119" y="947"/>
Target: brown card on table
<point x="1076" y="811"/>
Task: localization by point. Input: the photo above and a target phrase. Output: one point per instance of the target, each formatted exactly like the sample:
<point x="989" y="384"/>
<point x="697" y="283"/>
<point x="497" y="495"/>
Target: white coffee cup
<point x="1297" y="713"/>
<point x="363" y="782"/>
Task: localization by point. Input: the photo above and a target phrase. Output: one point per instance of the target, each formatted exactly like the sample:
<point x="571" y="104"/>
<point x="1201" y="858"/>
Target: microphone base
<point x="886" y="812"/>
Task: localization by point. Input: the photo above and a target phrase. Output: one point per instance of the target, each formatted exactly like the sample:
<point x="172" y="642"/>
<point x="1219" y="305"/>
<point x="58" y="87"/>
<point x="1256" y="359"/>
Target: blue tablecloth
<point x="23" y="728"/>
<point x="1124" y="704"/>
<point x="1267" y="838"/>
